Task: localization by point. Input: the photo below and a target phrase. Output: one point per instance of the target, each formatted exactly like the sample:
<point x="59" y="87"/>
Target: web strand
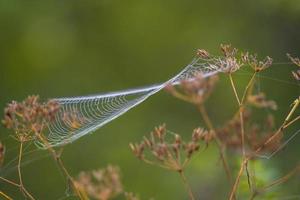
<point x="79" y="116"/>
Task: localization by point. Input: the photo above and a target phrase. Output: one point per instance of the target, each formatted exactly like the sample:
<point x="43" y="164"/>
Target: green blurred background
<point x="68" y="48"/>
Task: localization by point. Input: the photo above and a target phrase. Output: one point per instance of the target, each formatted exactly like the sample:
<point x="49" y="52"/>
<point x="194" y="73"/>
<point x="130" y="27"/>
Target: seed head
<point x="29" y="117"/>
<point x="101" y="184"/>
<point x="203" y="54"/>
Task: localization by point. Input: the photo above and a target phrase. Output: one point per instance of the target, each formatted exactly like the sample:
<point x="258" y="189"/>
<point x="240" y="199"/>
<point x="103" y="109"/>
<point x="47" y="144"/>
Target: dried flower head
<point x="228" y="50"/>
<point x="172" y="155"/>
<point x="102" y="184"/>
<point x="203" y="54"/>
<point x="29" y="117"/>
<point x="296" y="74"/>
<point x="295" y="60"/>
<point x="229" y="65"/>
<point x="259" y="100"/>
<point x="194" y="91"/>
<point x="257" y="65"/>
<point x="2" y="152"/>
<point x="255" y="134"/>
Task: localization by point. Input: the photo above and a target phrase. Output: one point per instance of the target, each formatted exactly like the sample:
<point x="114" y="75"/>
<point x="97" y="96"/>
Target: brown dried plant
<point x="28" y="119"/>
<point x="240" y="133"/>
<point x="197" y="92"/>
<point x="296" y="61"/>
<point x="174" y="155"/>
<point x="101" y="184"/>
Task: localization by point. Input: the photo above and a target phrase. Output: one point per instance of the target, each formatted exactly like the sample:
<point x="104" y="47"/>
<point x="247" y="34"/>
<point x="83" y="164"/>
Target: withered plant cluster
<point x="29" y="118"/>
<point x="101" y="184"/>
<point x="241" y="134"/>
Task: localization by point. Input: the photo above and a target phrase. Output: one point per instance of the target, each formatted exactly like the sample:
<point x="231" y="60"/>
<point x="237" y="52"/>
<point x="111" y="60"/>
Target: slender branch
<point x="244" y="164"/>
<point x="9" y="181"/>
<point x="209" y="124"/>
<point x="19" y="163"/>
<point x="237" y="180"/>
<point x="60" y="163"/>
<point x="291" y="122"/>
<point x="276" y="182"/>
<point x="5" y="196"/>
<point x="188" y="187"/>
<point x="248" y="87"/>
<point x="281" y="128"/>
<point x="23" y="189"/>
<point x="205" y="116"/>
<point x="283" y="179"/>
<point x="234" y="90"/>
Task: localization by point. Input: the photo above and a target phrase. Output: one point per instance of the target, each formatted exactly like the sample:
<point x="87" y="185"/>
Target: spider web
<point x="79" y="116"/>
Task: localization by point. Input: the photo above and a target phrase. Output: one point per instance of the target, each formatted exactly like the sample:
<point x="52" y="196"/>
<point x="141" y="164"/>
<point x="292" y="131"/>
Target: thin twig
<point x="281" y="128"/>
<point x="244" y="163"/>
<point x="23" y="189"/>
<point x="188" y="187"/>
<point x="248" y="87"/>
<point x="60" y="163"/>
<point x="209" y="124"/>
<point x="5" y="196"/>
<point x="276" y="182"/>
<point x="9" y="181"/>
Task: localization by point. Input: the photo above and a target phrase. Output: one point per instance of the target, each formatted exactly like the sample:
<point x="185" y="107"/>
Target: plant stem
<point x="248" y="87"/>
<point x="276" y="182"/>
<point x="187" y="186"/>
<point x="9" y="181"/>
<point x="209" y="124"/>
<point x="283" y="179"/>
<point x="23" y="189"/>
<point x="237" y="180"/>
<point x="5" y="196"/>
<point x="244" y="159"/>
<point x="60" y="164"/>
<point x="281" y="128"/>
<point x="234" y="90"/>
<point x="205" y="116"/>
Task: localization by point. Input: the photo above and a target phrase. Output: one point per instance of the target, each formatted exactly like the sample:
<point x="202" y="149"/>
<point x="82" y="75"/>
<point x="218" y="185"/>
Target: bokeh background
<point x="68" y="48"/>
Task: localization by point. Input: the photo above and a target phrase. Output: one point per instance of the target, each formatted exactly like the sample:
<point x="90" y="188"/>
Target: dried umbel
<point x="172" y="155"/>
<point x="296" y="61"/>
<point x="255" y="135"/>
<point x="29" y="117"/>
<point x="257" y="65"/>
<point x="195" y="91"/>
<point x="203" y="54"/>
<point x="260" y="101"/>
<point x="230" y="63"/>
<point x="102" y="184"/>
<point x="228" y="50"/>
